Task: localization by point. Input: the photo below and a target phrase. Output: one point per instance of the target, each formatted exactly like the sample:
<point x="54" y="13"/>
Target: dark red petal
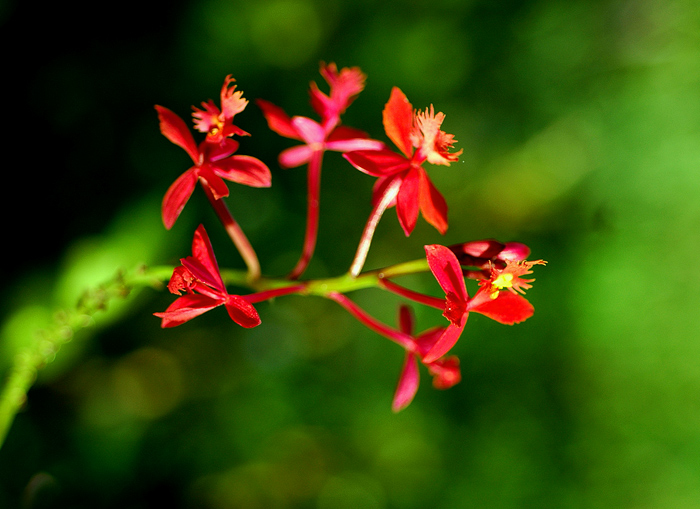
<point x="277" y="119"/>
<point x="185" y="308"/>
<point x="446" y="269"/>
<point x="432" y="204"/>
<point x="242" y="312"/>
<point x="408" y="383"/>
<point x="175" y="129"/>
<point x="346" y="133"/>
<point x="245" y="170"/>
<point x="398" y="121"/>
<point x="447" y="340"/>
<point x="378" y="163"/>
<point x="406" y="319"/>
<point x="479" y="248"/>
<point x="176" y="197"/>
<point x="508" y="308"/>
<point x="407" y="202"/>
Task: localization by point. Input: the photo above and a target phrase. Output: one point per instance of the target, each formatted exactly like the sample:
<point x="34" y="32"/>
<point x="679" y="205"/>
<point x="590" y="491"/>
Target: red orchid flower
<point x="218" y="123"/>
<point x="200" y="278"/>
<point x="403" y="173"/>
<point x="505" y="307"/>
<point x="327" y="134"/>
<point x="212" y="159"/>
<point x="445" y="371"/>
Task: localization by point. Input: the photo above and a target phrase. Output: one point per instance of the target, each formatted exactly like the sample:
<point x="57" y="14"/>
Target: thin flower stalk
<point x="384" y="202"/>
<point x="397" y="336"/>
<point x="313" y="204"/>
<point x="236" y="234"/>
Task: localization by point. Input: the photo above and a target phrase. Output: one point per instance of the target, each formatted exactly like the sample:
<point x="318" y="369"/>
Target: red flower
<point x="218" y="123"/>
<point x="199" y="277"/>
<point x="212" y="159"/>
<point x="327" y="134"/>
<point x="505" y="307"/>
<point x="409" y="130"/>
<point x="445" y="371"/>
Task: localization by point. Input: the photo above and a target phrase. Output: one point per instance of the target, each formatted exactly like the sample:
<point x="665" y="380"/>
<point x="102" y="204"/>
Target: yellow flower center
<point x="502" y="281"/>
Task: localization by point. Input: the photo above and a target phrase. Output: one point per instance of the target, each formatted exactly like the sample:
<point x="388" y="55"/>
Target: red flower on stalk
<point x="409" y="130"/>
<point x="200" y="278"/>
<point x="445" y="371"/>
<point x="327" y="134"/>
<point x="505" y="307"/>
<point x="212" y="159"/>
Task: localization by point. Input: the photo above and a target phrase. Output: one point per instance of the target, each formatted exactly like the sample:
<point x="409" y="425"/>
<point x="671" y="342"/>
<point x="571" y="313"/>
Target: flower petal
<point x="446" y="269"/>
<point x="232" y="101"/>
<point x="202" y="264"/>
<point x="176" y="197"/>
<point x="407" y="201"/>
<point x="295" y="156"/>
<point x="408" y="383"/>
<point x="185" y="308"/>
<point x="309" y="130"/>
<point x="432" y="204"/>
<point x="406" y="319"/>
<point x="446" y="341"/>
<point x="398" y="121"/>
<point x="353" y="144"/>
<point x="278" y="120"/>
<point x="378" y="163"/>
<point x="445" y="372"/>
<point x="242" y="312"/>
<point x="215" y="184"/>
<point x="175" y="129"/>
<point x="245" y="170"/>
<point x="508" y="308"/>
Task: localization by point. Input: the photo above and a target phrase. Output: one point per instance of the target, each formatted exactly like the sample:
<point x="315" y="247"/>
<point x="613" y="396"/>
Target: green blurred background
<point x="580" y="124"/>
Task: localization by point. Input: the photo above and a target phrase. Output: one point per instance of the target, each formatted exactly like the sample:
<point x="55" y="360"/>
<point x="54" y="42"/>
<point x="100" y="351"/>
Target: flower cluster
<point x="402" y="182"/>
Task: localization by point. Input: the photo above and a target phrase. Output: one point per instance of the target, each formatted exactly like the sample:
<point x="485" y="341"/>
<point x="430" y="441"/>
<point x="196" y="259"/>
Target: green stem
<point x="67" y="323"/>
<point x="29" y="360"/>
